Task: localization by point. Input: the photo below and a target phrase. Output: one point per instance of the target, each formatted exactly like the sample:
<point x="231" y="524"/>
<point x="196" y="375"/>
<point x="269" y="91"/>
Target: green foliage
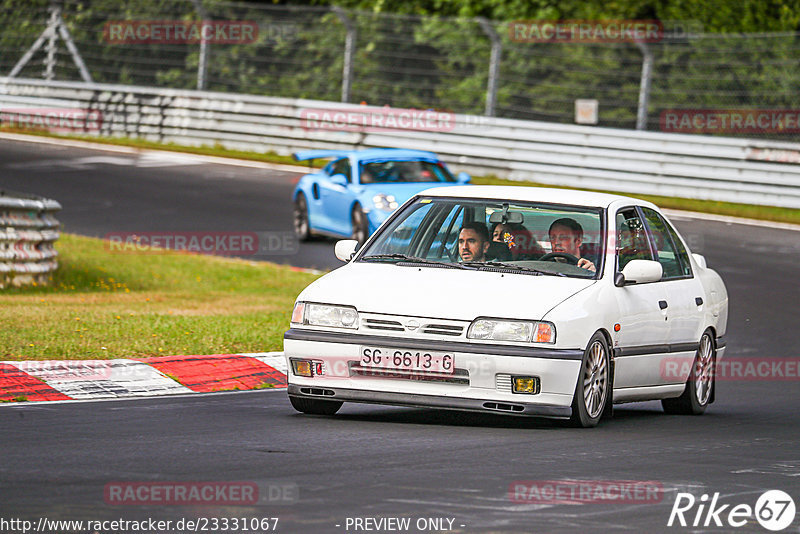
<point x="434" y="54"/>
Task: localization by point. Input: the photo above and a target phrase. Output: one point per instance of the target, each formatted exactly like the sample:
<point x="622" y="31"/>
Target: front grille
<point x="442" y="329"/>
<point x="411" y="326"/>
<point x="379" y="324"/>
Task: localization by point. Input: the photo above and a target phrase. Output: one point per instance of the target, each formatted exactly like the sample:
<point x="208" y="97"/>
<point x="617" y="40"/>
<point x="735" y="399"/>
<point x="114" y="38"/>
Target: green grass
<point x="750" y="211"/>
<point x="106" y="304"/>
<point x="19" y="398"/>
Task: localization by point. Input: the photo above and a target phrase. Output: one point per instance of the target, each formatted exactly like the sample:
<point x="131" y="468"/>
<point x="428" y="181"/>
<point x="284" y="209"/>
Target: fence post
<point x="50" y="60"/>
<point x="202" y="63"/>
<point x="55" y="27"/>
<point x="349" y="51"/>
<point x="494" y="65"/>
<point x="644" y="86"/>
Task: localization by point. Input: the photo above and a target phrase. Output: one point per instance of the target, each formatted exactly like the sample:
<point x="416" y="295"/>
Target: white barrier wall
<point x="690" y="166"/>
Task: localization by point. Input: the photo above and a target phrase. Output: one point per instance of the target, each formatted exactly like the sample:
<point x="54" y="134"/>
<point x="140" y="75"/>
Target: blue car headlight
<point x="385" y="202"/>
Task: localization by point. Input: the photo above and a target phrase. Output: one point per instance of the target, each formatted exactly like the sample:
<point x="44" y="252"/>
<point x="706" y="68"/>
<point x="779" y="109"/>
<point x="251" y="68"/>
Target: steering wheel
<point x="572" y="260"/>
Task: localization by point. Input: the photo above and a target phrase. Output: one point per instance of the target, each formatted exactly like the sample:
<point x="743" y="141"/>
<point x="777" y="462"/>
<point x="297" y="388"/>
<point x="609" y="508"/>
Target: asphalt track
<point x="370" y="461"/>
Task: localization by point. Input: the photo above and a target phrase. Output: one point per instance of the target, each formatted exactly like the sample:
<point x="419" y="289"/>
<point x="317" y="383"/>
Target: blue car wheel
<point x="301" y="226"/>
<point x="360" y="224"/>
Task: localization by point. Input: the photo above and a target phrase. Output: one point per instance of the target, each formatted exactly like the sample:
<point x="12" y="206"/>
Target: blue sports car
<point x="354" y="193"/>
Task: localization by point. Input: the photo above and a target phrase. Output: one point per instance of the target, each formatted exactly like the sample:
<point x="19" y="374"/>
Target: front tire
<point x="593" y="390"/>
<point x="302" y="228"/>
<point x="360" y="225"/>
<point x="315" y="406"/>
<point x="696" y="396"/>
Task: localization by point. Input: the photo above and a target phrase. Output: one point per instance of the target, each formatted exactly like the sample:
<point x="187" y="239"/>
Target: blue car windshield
<point x="537" y="238"/>
<point x="404" y="171"/>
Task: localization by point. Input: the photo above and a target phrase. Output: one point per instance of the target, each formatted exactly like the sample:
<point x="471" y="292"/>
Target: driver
<point x="566" y="236"/>
<point x="473" y="242"/>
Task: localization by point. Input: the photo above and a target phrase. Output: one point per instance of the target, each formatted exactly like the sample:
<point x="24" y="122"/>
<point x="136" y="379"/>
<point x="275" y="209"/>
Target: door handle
<point x="662" y="304"/>
<point x="698" y="301"/>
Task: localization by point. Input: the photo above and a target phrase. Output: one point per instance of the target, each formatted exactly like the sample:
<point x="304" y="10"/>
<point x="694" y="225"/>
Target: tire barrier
<point x="28" y="231"/>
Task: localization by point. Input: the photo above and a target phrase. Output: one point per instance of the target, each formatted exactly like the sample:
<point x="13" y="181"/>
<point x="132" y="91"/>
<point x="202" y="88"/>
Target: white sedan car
<point x="517" y="300"/>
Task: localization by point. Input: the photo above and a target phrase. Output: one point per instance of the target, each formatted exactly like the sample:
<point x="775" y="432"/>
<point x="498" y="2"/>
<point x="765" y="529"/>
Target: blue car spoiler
<point x="304" y="155"/>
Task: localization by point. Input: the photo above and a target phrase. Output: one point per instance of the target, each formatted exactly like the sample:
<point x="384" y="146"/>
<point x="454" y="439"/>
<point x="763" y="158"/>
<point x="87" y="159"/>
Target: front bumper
<point x="481" y="382"/>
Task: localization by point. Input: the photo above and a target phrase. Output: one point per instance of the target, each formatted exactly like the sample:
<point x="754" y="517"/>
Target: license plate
<point x="408" y="360"/>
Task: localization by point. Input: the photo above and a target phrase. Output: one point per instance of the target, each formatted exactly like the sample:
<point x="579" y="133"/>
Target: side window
<point x="446" y="243"/>
<point x="342" y="166"/>
<point x="683" y="255"/>
<point x="631" y="238"/>
<point x="671" y="253"/>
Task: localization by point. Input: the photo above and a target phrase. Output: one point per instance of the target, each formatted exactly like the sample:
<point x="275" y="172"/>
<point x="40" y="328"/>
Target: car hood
<point x="442" y="292"/>
<point x="401" y="191"/>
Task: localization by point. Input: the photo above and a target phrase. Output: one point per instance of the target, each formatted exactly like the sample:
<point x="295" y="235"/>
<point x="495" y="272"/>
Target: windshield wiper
<point x="511" y="266"/>
<point x="413" y="259"/>
<point x="387" y="257"/>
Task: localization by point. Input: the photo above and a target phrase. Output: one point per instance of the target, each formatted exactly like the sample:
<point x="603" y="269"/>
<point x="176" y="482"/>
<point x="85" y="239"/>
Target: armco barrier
<point x="28" y="230"/>
<point x="689" y="166"/>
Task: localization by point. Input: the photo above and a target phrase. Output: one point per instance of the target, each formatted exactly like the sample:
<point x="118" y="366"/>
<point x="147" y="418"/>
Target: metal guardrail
<point x="28" y="230"/>
<point x="689" y="166"/>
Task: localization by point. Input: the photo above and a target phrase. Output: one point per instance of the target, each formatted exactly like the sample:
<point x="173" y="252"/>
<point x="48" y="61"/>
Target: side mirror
<point x="345" y="249"/>
<point x="701" y="260"/>
<point x="339" y="179"/>
<point x="641" y="272"/>
<point x="463" y="178"/>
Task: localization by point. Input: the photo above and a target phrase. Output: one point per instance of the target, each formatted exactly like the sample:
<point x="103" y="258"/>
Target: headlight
<point x="385" y="202"/>
<point x="325" y="315"/>
<point x="502" y="330"/>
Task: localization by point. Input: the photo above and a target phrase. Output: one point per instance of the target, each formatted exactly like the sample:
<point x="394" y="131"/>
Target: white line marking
<point x="133" y="150"/>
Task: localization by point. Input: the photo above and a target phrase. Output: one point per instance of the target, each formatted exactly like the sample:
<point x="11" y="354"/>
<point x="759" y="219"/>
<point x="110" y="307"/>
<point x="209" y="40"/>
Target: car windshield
<point x="524" y="237"/>
<point x="404" y="171"/>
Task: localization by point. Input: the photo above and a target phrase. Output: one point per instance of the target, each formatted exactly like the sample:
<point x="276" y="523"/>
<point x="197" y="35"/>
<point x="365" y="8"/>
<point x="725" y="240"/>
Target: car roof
<point x="367" y="154"/>
<point x="377" y="153"/>
<point x="533" y="194"/>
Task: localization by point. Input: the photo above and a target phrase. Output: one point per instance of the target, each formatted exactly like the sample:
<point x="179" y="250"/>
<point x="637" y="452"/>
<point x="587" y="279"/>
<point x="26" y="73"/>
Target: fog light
<point x="526" y="384"/>
<point x="301" y="367"/>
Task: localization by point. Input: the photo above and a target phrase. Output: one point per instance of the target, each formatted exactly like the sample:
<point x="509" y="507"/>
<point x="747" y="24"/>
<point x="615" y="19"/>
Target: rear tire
<point x="302" y="228"/>
<point x="696" y="396"/>
<point x="360" y="225"/>
<point x="315" y="406"/>
<point x="593" y="390"/>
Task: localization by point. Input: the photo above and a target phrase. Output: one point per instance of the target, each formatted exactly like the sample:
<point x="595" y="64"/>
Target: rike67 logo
<point x="774" y="510"/>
